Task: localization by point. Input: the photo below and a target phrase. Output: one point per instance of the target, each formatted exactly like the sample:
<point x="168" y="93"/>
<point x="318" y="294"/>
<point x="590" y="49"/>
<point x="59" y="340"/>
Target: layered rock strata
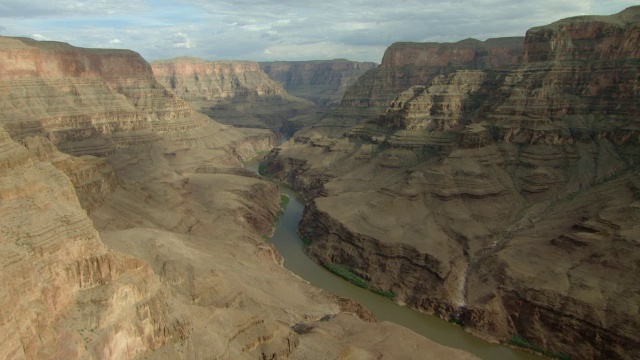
<point x="237" y="93"/>
<point x="494" y="196"/>
<point x="321" y="81"/>
<point x="415" y="64"/>
<point x="64" y="294"/>
<point x="185" y="271"/>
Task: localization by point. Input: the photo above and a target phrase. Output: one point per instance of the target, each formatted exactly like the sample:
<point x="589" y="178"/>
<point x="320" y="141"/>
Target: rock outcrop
<point x="321" y="81"/>
<point x="416" y="64"/>
<point x="64" y="294"/>
<point x="492" y="195"/>
<point x="154" y="249"/>
<point x="236" y="93"/>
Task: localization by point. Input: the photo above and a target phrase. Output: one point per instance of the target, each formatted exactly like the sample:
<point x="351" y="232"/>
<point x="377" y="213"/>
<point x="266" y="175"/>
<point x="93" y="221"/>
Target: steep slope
<point x="410" y="64"/>
<point x="495" y="196"/>
<point x="64" y="294"/>
<point x="321" y="81"/>
<point x="237" y="93"/>
<point x="185" y="271"/>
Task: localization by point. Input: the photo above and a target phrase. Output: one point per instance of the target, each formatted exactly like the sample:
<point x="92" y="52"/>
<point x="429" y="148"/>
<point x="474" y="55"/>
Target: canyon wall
<point x="321" y="81"/>
<point x="237" y="93"/>
<point x="154" y="248"/>
<point x="85" y="101"/>
<point x="408" y="64"/>
<point x="493" y="196"/>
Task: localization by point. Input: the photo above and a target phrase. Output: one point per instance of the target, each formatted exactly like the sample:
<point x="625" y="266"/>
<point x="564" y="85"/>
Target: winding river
<point x="290" y="246"/>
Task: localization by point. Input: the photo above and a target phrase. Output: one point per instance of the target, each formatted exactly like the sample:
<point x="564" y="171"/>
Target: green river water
<point x="290" y="246"/>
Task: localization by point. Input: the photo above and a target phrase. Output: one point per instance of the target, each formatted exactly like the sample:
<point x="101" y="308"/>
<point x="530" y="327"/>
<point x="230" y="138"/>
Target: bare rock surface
<point x="237" y="93"/>
<point x="321" y="81"/>
<point x="414" y="64"/>
<point x="500" y="196"/>
<point x="155" y="249"/>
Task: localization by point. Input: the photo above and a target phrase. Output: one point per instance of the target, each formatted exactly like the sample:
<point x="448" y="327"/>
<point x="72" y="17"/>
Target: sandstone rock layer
<point x="322" y="81"/>
<point x="237" y="93"/>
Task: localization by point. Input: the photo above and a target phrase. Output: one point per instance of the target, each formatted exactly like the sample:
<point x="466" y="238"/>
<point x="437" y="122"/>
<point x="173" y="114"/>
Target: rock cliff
<point x="416" y="64"/>
<point x="494" y="196"/>
<point x="66" y="295"/>
<point x="321" y="81"/>
<point x="155" y="249"/>
<point x="237" y="93"/>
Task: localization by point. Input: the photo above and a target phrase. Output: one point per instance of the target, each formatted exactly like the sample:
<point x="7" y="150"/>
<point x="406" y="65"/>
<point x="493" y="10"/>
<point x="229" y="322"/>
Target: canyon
<point x="283" y="96"/>
<point x="490" y="183"/>
<point x="130" y="228"/>
<point x="322" y="82"/>
<point x="236" y="93"/>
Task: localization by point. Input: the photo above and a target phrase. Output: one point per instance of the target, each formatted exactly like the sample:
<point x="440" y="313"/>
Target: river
<point x="291" y="248"/>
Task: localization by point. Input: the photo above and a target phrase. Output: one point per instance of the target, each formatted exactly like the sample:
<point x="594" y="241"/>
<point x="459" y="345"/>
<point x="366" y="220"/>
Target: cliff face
<point x="587" y="38"/>
<point x="234" y="92"/>
<point x="85" y="101"/>
<point x="323" y="81"/>
<point x="65" y="295"/>
<point x="155" y="249"/>
<point x="495" y="196"/>
<point x="196" y="79"/>
<point x="416" y="64"/>
<point x="27" y="58"/>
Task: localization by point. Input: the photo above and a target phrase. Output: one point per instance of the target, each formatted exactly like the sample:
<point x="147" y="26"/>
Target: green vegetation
<point x="386" y="293"/>
<point x="262" y="169"/>
<point x="456" y="320"/>
<point x="347" y="275"/>
<point x="519" y="341"/>
<point x="284" y="202"/>
<point x="306" y="241"/>
<point x="355" y="279"/>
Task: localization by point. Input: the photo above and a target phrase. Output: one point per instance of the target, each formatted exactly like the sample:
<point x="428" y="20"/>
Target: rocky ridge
<point x="237" y="93"/>
<point x="491" y="195"/>
<point x="154" y="249"/>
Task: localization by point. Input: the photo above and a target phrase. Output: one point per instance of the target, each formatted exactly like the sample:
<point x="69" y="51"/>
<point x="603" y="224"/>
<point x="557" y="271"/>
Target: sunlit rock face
<point x="86" y="101"/>
<point x="504" y="196"/>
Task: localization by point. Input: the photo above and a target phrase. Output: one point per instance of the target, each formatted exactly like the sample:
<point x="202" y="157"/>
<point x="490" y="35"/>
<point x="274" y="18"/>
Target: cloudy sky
<point x="279" y="30"/>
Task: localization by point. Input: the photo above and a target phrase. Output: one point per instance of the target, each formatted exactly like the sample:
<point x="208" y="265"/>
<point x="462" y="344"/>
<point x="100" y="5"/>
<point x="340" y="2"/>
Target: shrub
<point x="356" y="280"/>
<point x="347" y="275"/>
<point x="284" y="202"/>
<point x="262" y="169"/>
<point x="456" y="320"/>
<point x="520" y="341"/>
<point x="386" y="293"/>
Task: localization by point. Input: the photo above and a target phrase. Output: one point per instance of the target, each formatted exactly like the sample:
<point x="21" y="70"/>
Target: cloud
<point x="39" y="37"/>
<point x="181" y="40"/>
<point x="73" y="8"/>
<point x="287" y="29"/>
